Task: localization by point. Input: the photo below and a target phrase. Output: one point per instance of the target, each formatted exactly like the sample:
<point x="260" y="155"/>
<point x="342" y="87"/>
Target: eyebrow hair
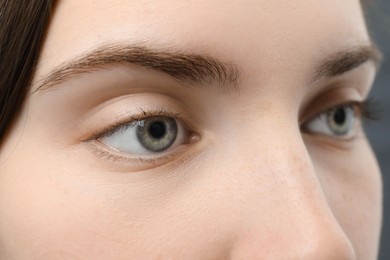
<point x="347" y="60"/>
<point x="193" y="69"/>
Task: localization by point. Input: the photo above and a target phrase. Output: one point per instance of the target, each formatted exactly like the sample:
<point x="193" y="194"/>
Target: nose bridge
<point x="289" y="216"/>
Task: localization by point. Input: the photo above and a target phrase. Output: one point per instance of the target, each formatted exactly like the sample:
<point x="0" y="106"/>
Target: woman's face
<point x="195" y="130"/>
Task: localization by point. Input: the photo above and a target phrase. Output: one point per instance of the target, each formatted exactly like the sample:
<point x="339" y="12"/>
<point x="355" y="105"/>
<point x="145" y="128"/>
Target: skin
<point x="248" y="184"/>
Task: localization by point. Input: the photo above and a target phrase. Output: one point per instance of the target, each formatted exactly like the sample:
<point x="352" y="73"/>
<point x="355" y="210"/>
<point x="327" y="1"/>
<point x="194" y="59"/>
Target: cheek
<point x="36" y="207"/>
<point x="45" y="210"/>
<point x="352" y="184"/>
<point x="55" y="206"/>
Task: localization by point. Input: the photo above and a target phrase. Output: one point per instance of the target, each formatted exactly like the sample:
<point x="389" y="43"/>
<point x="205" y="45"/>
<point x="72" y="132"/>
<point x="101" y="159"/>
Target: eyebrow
<point x="347" y="60"/>
<point x="196" y="70"/>
<point x="193" y="69"/>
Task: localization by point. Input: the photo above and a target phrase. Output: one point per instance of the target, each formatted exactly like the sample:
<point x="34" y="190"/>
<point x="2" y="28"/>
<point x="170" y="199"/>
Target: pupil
<point x="157" y="130"/>
<point x="339" y="116"/>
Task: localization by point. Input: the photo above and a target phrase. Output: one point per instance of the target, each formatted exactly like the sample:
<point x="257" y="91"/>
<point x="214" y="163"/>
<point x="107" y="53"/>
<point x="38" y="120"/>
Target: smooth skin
<point x="248" y="183"/>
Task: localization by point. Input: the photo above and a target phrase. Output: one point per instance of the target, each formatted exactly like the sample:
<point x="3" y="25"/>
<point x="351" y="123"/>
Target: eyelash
<point x="109" y="156"/>
<point x="109" y="130"/>
<point x="370" y="109"/>
<point x="366" y="110"/>
<point x="130" y="121"/>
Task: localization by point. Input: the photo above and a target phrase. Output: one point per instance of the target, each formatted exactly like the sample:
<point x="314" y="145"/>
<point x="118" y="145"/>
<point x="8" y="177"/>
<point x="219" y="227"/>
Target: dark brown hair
<point x="22" y="28"/>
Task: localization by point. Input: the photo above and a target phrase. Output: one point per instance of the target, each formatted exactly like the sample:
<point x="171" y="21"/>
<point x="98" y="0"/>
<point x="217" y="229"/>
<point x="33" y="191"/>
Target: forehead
<point x="248" y="32"/>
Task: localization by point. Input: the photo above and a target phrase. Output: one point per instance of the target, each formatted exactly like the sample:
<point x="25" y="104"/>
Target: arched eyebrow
<point x="194" y="70"/>
<point x="347" y="60"/>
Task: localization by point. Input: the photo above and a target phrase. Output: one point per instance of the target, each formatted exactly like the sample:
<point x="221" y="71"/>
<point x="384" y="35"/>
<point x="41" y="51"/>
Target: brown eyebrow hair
<point x="194" y="69"/>
<point x="347" y="60"/>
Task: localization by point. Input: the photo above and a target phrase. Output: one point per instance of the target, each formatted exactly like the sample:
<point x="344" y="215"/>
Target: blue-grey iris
<point x="158" y="133"/>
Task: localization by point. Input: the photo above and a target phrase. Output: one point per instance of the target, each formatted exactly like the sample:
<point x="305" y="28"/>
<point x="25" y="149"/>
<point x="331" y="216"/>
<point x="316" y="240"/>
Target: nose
<point x="284" y="212"/>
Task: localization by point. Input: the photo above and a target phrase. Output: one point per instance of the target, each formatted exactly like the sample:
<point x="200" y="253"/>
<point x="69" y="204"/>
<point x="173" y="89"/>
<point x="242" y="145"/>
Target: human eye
<point x="340" y="121"/>
<point x="147" y="137"/>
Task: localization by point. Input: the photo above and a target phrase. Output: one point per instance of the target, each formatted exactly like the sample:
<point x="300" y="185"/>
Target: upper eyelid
<point x="122" y="109"/>
<point x="355" y="104"/>
<point x="127" y="122"/>
<point x="115" y="128"/>
<point x="104" y="150"/>
<point x="110" y="129"/>
<point x="336" y="95"/>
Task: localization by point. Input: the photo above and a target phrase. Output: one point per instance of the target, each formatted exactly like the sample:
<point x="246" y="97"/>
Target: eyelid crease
<point x="362" y="110"/>
<point x="336" y="96"/>
<point x="358" y="106"/>
<point x="141" y="115"/>
<point x="366" y="109"/>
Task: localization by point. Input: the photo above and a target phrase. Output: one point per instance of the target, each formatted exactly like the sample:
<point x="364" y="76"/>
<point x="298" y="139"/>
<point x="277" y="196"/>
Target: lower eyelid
<point x="140" y="163"/>
<point x="334" y="144"/>
<point x="357" y="131"/>
<point x="356" y="110"/>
